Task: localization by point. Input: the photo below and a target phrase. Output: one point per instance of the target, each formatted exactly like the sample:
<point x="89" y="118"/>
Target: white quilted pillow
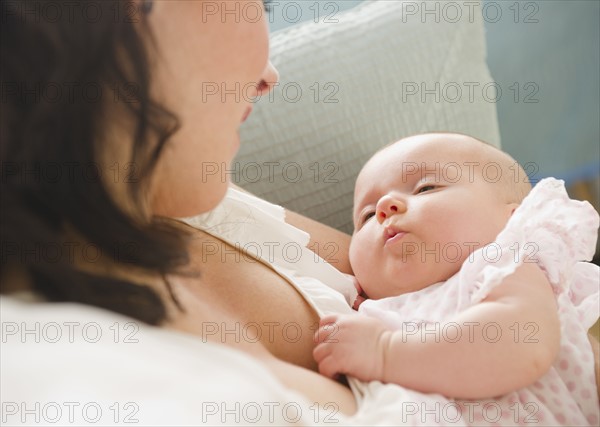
<point x="348" y="88"/>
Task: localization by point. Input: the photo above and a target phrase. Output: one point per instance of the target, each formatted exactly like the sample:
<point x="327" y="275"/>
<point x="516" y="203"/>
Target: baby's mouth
<point x="393" y="235"/>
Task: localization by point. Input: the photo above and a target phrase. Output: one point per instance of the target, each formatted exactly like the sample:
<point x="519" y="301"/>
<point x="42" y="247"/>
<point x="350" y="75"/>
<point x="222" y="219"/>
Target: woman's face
<point x="212" y="60"/>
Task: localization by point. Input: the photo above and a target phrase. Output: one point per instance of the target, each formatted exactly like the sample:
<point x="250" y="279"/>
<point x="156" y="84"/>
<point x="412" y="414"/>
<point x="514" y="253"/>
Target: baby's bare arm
<point x="508" y="341"/>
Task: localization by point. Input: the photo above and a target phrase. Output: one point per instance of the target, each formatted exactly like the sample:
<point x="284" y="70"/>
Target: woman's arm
<point x="330" y="244"/>
<point x="495" y="352"/>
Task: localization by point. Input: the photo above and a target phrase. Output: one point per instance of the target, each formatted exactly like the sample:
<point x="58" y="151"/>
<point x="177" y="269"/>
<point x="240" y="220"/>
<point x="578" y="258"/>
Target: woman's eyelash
<point x="267" y="4"/>
<point x="146" y="6"/>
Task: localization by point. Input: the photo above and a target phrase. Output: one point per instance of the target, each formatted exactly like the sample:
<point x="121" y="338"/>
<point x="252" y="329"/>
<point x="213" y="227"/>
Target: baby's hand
<point x="353" y="345"/>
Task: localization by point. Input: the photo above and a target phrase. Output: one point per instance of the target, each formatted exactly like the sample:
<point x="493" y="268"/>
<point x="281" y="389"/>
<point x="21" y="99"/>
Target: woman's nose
<point x="389" y="206"/>
<point x="269" y="79"/>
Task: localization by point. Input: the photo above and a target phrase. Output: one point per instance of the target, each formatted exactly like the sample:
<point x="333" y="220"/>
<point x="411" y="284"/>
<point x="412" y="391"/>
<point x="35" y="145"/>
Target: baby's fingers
<point x="359" y="288"/>
<point x="358" y="301"/>
<point x="328" y="367"/>
<point x="329" y="319"/>
<point x="321" y="351"/>
<point x="326" y="333"/>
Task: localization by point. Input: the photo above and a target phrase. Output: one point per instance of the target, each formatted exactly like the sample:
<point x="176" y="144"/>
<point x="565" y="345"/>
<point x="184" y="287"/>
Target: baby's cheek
<point x="359" y="261"/>
<point x="364" y="272"/>
<point x="355" y="243"/>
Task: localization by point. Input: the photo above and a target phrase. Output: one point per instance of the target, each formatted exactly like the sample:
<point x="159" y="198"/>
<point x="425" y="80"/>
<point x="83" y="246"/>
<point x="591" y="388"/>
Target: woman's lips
<point x="247" y="113"/>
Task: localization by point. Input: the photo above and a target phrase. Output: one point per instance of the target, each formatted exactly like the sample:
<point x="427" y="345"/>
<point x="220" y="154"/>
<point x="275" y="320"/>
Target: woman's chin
<point x="237" y="141"/>
<point x="205" y="198"/>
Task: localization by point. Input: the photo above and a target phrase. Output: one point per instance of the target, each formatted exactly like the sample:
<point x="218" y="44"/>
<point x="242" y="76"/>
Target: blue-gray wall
<point x="559" y="55"/>
<point x="545" y="57"/>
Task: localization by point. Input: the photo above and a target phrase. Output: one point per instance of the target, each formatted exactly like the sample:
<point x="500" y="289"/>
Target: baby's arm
<point x="475" y="366"/>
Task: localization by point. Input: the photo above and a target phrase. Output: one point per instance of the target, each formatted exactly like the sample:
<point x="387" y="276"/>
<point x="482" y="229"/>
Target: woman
<point x="143" y="150"/>
<point x="144" y="138"/>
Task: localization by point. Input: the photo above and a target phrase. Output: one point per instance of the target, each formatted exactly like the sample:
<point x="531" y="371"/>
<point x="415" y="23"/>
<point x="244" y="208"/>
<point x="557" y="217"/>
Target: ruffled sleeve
<point x="547" y="228"/>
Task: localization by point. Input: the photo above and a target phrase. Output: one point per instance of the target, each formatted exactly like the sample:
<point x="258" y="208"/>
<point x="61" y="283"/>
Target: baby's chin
<point x="395" y="288"/>
<point x="387" y="292"/>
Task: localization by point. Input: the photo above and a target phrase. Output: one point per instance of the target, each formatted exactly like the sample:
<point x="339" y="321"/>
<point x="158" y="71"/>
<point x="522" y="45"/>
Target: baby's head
<point x="423" y="204"/>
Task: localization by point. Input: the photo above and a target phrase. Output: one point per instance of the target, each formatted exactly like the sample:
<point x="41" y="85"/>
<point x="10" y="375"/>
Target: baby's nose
<point x="388" y="206"/>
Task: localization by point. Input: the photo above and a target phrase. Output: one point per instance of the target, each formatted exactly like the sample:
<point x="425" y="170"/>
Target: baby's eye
<point x="425" y="188"/>
<point x="367" y="217"/>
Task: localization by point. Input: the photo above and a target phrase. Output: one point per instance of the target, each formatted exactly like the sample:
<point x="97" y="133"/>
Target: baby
<point x="477" y="295"/>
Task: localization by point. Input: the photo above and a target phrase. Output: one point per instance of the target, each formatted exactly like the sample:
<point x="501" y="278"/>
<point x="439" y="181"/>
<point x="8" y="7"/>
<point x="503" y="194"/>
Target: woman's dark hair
<point x="65" y="69"/>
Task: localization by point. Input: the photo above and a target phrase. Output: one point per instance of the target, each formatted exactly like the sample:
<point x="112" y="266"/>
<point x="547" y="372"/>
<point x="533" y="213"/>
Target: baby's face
<point x="421" y="206"/>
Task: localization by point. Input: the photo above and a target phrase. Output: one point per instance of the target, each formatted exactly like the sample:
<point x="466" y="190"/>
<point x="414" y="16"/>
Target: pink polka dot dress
<point x="558" y="233"/>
